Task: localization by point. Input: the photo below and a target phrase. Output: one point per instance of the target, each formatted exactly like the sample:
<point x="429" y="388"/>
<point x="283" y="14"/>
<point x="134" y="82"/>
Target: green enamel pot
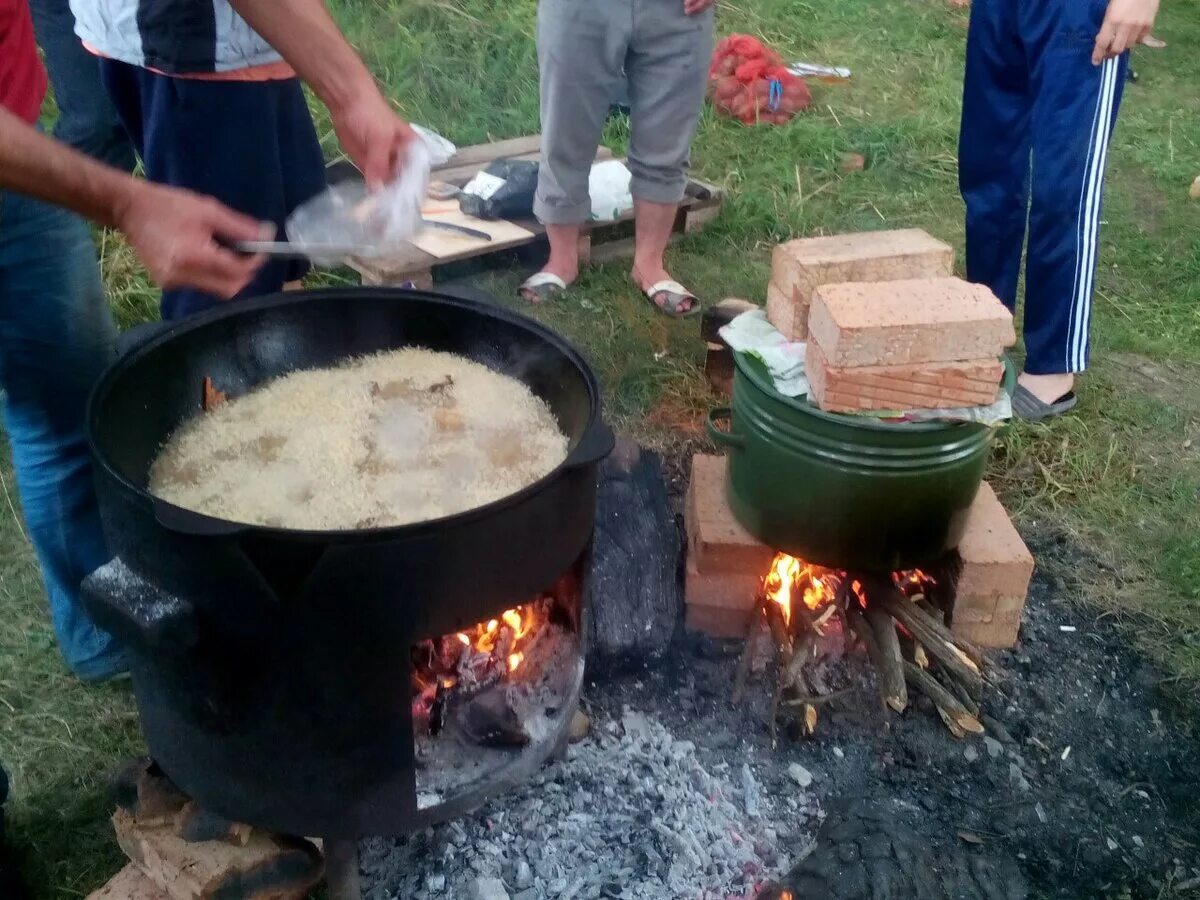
<point x="846" y="491"/>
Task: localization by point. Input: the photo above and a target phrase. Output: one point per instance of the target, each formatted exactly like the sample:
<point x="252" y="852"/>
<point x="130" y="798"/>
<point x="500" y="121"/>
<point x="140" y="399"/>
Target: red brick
<point x="717" y="622"/>
<point x="788" y="312"/>
<point x="994" y="571"/>
<point x="947" y="385"/>
<point x="799" y="267"/>
<point x="717" y="543"/>
<point x="721" y="590"/>
<point x="911" y="321"/>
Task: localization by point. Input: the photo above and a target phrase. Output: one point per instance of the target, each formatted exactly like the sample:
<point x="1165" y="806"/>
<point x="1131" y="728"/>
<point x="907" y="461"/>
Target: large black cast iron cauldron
<point x="271" y="665"/>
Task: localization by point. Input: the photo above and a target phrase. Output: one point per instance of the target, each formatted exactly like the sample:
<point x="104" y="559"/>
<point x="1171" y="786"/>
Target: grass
<point x="1121" y="480"/>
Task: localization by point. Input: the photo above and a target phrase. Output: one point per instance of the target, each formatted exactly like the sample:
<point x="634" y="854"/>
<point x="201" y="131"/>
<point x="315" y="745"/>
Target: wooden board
<point x="130" y="884"/>
<point x="415" y="263"/>
<point x="448" y="245"/>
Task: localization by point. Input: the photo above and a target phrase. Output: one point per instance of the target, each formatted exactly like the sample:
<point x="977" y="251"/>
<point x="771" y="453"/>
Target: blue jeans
<point x="87" y="120"/>
<point x="56" y="336"/>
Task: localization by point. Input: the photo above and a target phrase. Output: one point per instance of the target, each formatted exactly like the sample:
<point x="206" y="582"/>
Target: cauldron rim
<point x="593" y="443"/>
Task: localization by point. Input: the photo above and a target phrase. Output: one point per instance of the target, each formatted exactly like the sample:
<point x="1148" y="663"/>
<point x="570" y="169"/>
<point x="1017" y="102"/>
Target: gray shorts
<point x="583" y="48"/>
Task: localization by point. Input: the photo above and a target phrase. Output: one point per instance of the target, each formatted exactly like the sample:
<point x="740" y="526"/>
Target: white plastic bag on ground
<point x="350" y="220"/>
<point x="608" y="185"/>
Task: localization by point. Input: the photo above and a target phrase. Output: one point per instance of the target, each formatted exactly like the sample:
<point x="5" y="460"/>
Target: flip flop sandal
<point x="1029" y="407"/>
<point x="542" y="286"/>
<point x="677" y="295"/>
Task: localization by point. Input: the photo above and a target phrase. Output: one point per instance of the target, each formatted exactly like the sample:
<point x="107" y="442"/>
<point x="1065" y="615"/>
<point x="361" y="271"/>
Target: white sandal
<point x="677" y="295"/>
<point x="541" y="286"/>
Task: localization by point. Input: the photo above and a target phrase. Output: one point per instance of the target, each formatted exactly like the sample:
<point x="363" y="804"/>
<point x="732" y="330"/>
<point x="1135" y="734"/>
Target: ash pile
<point x="631" y="813"/>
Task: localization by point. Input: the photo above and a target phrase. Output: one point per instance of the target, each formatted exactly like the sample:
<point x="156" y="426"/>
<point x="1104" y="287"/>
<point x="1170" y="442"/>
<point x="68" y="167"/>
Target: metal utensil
<point x="292" y="250"/>
<point x="288" y="250"/>
<point x="461" y="229"/>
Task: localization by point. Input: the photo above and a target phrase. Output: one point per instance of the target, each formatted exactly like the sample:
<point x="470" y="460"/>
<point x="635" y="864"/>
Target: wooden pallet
<point x="600" y="241"/>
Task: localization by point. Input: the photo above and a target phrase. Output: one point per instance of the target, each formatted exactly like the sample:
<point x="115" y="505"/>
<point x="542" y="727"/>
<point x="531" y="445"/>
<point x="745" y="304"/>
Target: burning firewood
<point x="936" y="639"/>
<point x="902" y="632"/>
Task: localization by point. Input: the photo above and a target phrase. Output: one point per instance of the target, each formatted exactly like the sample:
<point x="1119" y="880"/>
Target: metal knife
<point x="461" y="229"/>
<point x="288" y="250"/>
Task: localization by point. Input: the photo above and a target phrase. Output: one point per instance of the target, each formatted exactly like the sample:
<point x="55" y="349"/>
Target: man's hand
<point x="373" y="136"/>
<point x="691" y="7"/>
<point x="1126" y="23"/>
<point x="178" y="236"/>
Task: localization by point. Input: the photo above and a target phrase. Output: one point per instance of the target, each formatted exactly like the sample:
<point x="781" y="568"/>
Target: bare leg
<point x="1047" y="388"/>
<point x="654" y="222"/>
<point x="564" y="255"/>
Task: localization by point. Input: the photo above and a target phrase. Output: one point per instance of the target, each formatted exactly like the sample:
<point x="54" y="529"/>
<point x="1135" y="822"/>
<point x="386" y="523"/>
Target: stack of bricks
<point x="799" y="267"/>
<point x="925" y="343"/>
<point x="990" y="573"/>
<point x="887" y="326"/>
<point x="725" y="563"/>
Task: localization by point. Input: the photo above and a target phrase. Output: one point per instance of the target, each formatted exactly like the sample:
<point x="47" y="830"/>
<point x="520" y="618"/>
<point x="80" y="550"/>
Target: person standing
<point x="1043" y="82"/>
<point x="585" y="51"/>
<point x="86" y="118"/>
<point x="212" y="108"/>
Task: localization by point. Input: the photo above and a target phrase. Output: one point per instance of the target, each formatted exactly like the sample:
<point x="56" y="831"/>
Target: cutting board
<point x="449" y="245"/>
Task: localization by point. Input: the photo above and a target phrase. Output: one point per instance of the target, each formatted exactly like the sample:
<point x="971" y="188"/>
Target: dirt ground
<point x="1086" y="782"/>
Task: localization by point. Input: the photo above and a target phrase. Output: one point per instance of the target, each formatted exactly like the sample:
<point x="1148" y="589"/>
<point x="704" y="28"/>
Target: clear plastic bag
<point x="441" y="151"/>
<point x="349" y="220"/>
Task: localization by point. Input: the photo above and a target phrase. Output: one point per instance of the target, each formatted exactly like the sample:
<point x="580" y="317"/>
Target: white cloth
<point x="752" y="333"/>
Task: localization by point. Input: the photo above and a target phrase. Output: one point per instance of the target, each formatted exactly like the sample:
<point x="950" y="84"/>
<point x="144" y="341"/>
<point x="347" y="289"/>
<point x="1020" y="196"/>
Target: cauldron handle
<point x="730" y="439"/>
<point x="596" y="444"/>
<point x="138" y="614"/>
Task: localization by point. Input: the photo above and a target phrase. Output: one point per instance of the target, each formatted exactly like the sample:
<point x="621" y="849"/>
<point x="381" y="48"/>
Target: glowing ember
<point x="476" y="657"/>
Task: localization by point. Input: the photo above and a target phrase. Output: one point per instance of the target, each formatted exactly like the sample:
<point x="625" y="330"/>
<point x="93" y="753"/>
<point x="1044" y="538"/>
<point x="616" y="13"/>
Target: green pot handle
<point x="721" y="438"/>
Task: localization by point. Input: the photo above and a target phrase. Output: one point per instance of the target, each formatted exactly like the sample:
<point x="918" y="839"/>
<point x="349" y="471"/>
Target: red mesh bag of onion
<point x="749" y="82"/>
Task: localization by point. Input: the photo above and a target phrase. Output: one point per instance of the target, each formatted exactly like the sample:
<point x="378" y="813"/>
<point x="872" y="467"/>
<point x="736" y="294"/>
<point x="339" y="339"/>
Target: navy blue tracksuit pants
<point x="1031" y="91"/>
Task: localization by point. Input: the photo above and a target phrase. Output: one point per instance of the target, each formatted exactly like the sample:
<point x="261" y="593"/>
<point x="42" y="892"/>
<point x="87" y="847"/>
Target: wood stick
<point x="959" y="690"/>
<point x="930" y="634"/>
<point x="854" y="618"/>
<point x="891" y="661"/>
<point x="818" y="699"/>
<point x="882" y="591"/>
<point x="920" y="657"/>
<point x="743" y="670"/>
<point x="779" y="629"/>
<point x="948" y="705"/>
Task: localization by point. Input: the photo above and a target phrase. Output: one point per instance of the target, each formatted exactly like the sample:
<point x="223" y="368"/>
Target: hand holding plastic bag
<point x="367" y="223"/>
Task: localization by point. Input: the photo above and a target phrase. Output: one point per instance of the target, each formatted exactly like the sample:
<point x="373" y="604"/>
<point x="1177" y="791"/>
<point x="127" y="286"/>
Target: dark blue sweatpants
<point x="250" y="144"/>
<point x="1031" y="91"/>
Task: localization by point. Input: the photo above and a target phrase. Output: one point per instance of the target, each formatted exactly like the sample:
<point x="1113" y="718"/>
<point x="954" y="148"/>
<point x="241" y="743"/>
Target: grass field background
<point x="1120" y="480"/>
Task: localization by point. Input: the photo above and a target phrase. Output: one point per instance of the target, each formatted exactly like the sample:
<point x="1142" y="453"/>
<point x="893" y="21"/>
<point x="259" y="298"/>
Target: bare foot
<point x="645" y="276"/>
<point x="1047" y="388"/>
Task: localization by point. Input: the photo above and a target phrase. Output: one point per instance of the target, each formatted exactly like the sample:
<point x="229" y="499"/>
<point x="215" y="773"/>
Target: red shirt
<point x="22" y="78"/>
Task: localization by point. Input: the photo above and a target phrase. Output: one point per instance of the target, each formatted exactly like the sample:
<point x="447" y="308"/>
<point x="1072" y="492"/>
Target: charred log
<point x="635" y="588"/>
